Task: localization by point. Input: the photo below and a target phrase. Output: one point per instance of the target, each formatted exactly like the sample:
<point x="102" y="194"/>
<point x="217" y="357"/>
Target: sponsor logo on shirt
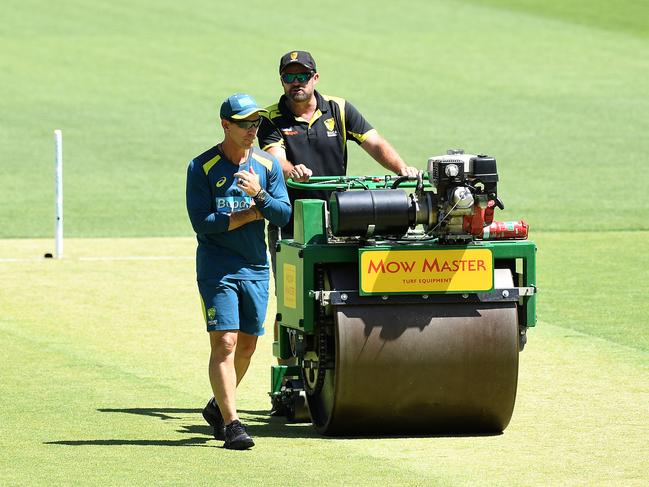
<point x="289" y="131"/>
<point x="228" y="204"/>
<point x="221" y="181"/>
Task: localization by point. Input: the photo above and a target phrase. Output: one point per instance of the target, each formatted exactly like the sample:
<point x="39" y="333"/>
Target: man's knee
<point x="222" y="344"/>
<point x="246" y="345"/>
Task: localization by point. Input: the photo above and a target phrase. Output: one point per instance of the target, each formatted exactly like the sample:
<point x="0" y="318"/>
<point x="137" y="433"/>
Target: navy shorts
<point x="233" y="304"/>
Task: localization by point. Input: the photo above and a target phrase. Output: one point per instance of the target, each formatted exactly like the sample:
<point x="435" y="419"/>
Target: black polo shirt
<point x="320" y="144"/>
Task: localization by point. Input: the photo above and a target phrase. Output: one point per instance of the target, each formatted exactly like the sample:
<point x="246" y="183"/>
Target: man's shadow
<point x="258" y="424"/>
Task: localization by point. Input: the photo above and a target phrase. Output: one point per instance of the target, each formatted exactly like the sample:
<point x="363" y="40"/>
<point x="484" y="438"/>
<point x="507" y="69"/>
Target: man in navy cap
<point x="231" y="189"/>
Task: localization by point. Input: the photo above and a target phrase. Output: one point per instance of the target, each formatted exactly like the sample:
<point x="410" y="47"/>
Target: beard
<point x="298" y="96"/>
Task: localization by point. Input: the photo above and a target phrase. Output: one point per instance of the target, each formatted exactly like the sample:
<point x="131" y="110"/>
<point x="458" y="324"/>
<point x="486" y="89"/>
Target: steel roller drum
<point x="429" y="368"/>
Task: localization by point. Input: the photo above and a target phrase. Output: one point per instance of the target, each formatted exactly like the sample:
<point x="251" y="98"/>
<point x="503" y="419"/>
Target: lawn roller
<point x="403" y="304"/>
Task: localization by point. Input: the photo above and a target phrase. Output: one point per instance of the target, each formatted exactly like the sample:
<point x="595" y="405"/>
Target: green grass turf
<point x="559" y="98"/>
<point x="596" y="283"/>
<point x="104" y="362"/>
<point x="628" y="17"/>
<point x="104" y="376"/>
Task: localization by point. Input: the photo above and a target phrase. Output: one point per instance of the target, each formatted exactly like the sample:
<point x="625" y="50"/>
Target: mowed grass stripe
<point x="628" y="16"/>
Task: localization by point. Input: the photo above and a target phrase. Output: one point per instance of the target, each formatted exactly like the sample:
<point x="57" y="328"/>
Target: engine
<point x="454" y="205"/>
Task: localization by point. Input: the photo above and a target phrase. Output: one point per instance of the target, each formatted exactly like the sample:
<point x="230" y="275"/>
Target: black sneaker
<point x="214" y="418"/>
<point x="236" y="437"/>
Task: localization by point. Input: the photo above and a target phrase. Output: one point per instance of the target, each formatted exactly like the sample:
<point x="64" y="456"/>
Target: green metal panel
<point x="299" y="262"/>
<point x="299" y="311"/>
<point x="290" y="297"/>
<point x="525" y="250"/>
<point x="277" y="374"/>
<point x="309" y="222"/>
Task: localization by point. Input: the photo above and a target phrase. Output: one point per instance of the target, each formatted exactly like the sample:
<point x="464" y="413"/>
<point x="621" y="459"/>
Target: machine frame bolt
<point x="465" y="296"/>
<point x="505" y="293"/>
<point x="343" y="296"/>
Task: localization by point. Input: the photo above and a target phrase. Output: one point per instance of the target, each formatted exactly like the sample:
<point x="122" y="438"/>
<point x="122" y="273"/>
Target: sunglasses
<point x="289" y="78"/>
<point x="247" y="124"/>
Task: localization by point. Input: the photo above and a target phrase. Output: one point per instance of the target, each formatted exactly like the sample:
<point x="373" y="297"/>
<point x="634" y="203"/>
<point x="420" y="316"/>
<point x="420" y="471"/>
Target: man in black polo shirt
<point x="308" y="133"/>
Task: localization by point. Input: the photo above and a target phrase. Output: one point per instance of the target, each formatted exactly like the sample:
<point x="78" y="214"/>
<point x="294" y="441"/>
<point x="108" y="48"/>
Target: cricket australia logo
<point x="330" y="124"/>
<point x="211" y="313"/>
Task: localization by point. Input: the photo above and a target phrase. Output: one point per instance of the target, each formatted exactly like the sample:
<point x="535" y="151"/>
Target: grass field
<point x="104" y="370"/>
<point x="104" y="354"/>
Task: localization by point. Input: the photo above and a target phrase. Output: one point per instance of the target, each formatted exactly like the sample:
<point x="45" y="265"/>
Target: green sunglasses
<point x="289" y="78"/>
<point x="247" y="124"/>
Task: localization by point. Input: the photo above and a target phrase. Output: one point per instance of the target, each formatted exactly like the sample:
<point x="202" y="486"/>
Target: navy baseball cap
<point x="239" y="106"/>
<point x="297" y="57"/>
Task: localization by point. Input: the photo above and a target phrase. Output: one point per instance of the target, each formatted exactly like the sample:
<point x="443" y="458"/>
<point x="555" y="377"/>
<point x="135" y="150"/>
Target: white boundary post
<point x="58" y="193"/>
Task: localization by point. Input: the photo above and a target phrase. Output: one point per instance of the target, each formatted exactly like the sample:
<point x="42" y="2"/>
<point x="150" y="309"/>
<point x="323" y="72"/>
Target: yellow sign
<point x="421" y="271"/>
<point x="290" y="286"/>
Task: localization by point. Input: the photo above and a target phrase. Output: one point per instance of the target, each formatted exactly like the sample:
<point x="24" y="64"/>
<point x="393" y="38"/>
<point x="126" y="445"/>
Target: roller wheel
<point x="415" y="369"/>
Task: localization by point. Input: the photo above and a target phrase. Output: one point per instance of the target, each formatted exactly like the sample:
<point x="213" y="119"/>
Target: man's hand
<point x="248" y="182"/>
<point x="300" y="173"/>
<point x="409" y="171"/>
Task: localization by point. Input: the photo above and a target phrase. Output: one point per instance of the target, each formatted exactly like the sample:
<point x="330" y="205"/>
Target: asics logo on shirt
<point x="221" y="181"/>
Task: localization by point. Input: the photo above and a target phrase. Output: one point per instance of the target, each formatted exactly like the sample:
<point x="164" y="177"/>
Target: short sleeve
<point x="269" y="135"/>
<point x="356" y="126"/>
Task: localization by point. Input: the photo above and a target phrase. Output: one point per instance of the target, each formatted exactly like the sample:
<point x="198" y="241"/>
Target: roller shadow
<point x="258" y="423"/>
<point x="411" y="436"/>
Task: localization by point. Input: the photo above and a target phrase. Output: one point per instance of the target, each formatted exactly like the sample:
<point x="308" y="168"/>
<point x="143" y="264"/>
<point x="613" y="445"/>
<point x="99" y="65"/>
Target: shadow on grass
<point x="258" y="423"/>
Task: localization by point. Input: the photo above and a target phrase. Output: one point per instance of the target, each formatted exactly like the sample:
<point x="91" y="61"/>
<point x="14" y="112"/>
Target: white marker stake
<point x="58" y="193"/>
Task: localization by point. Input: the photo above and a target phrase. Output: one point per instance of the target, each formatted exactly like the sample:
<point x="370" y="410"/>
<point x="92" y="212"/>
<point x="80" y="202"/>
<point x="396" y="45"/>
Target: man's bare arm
<point x="383" y="153"/>
<point x="243" y="217"/>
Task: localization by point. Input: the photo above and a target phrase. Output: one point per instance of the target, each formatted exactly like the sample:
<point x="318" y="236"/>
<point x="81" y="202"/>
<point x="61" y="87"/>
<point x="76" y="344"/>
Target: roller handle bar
<point x="355" y="182"/>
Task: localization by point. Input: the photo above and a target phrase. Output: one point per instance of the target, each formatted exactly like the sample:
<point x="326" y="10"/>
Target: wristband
<point x="261" y="196"/>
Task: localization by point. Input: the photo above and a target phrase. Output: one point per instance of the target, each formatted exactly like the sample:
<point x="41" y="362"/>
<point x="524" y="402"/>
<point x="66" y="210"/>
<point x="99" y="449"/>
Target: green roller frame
<point x="297" y="260"/>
